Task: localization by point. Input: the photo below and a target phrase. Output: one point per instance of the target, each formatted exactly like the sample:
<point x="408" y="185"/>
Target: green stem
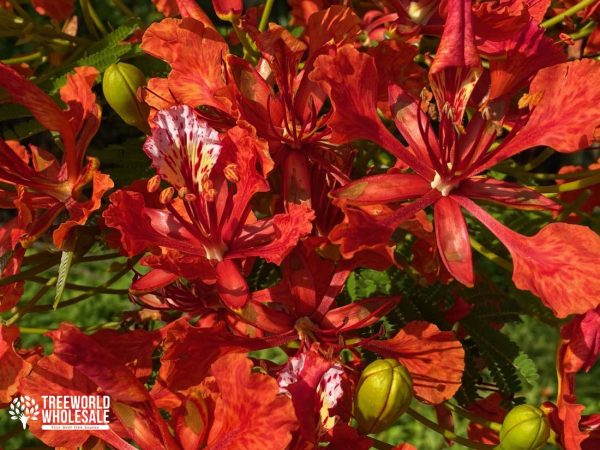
<point x="571" y="186"/>
<point x="380" y="445"/>
<point x="87" y="18"/>
<point x="585" y="31"/>
<point x="29" y="330"/>
<point x="124" y="8"/>
<point x="96" y="19"/>
<point x="17" y="7"/>
<point x="473" y="417"/>
<point x="99" y="257"/>
<point x="79" y="287"/>
<point x="450" y="435"/>
<point x="22" y="276"/>
<point x="264" y="19"/>
<point x="484" y="251"/>
<point x="31" y="303"/>
<point x="22" y="58"/>
<point x="572" y="207"/>
<point x="518" y="173"/>
<point x="568" y="13"/>
<point x="539" y="159"/>
<point x="250" y="51"/>
<point x="91" y="292"/>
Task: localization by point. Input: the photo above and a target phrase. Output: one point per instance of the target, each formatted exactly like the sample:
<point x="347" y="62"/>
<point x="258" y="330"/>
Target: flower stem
<point x="568" y="13"/>
<point x="484" y="251"/>
<point x="571" y="186"/>
<point x="585" y="31"/>
<point x="124" y="8"/>
<point x="250" y="51"/>
<point x="22" y="58"/>
<point x="450" y="435"/>
<point x="93" y="291"/>
<point x="539" y="159"/>
<point x="22" y="13"/>
<point x="31" y="303"/>
<point x="264" y="19"/>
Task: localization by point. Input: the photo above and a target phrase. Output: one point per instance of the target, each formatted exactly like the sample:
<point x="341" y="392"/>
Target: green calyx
<point x="525" y="427"/>
<point x="120" y="85"/>
<point x="383" y="394"/>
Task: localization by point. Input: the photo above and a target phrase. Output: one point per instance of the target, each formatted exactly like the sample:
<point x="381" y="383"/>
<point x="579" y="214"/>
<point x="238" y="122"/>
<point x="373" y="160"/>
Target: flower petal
<point x="56" y="9"/>
<point x="434" y="358"/>
<point x="250" y="412"/>
<point x="38" y="103"/>
<point x="348" y="77"/>
<point x="382" y="189"/>
<point x="130" y="401"/>
<point x="456" y="67"/>
<point x="453" y="241"/>
<point x="142" y="227"/>
<point x="559" y="264"/>
<point x="272" y="239"/>
<point x="183" y="148"/>
<point x="506" y="193"/>
<point x="563" y="119"/>
<point x="189" y="352"/>
<point x="12" y="367"/>
<point x="83" y="112"/>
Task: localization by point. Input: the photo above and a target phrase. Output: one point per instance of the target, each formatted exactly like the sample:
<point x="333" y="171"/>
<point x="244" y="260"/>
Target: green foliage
<point x="100" y="55"/>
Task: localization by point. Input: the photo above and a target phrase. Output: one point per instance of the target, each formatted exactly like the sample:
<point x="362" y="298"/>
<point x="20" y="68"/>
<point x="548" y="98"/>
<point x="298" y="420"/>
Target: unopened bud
<point x="525" y="427"/>
<point x="228" y="10"/>
<point x="120" y="84"/>
<point x="383" y="394"/>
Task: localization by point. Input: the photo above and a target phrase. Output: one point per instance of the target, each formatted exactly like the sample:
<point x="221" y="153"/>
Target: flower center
<point x="443" y="185"/>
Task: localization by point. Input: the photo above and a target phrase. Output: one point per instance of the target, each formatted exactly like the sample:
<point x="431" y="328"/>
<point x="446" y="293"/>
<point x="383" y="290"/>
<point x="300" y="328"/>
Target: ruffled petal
<point x="563" y="119"/>
<point x="434" y="358"/>
<point x="12" y="367"/>
<point x="131" y="401"/>
<point x="272" y="239"/>
<point x="559" y="264"/>
<point x="249" y="412"/>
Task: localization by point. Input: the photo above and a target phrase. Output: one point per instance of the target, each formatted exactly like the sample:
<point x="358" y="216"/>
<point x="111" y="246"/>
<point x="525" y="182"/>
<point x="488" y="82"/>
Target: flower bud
<point x="383" y="394"/>
<point x="525" y="427"/>
<point x="228" y="10"/>
<point x="120" y="85"/>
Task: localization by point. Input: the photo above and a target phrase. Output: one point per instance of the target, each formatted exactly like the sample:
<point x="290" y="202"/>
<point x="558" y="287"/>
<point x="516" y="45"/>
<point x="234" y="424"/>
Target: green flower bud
<point x="383" y="394"/>
<point x="120" y="85"/>
<point x="525" y="427"/>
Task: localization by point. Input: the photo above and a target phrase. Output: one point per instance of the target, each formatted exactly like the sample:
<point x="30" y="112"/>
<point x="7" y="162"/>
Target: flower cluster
<point x="316" y="188"/>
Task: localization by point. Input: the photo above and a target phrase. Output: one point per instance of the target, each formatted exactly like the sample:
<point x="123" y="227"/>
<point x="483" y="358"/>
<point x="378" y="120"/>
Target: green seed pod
<point x="525" y="427"/>
<point x="383" y="394"/>
<point x="120" y="85"/>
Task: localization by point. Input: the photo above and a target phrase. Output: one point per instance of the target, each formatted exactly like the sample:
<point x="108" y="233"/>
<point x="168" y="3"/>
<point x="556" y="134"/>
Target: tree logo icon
<point x="23" y="408"/>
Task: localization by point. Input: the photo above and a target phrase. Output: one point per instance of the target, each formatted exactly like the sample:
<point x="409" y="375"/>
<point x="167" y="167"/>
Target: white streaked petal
<point x="183" y="148"/>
